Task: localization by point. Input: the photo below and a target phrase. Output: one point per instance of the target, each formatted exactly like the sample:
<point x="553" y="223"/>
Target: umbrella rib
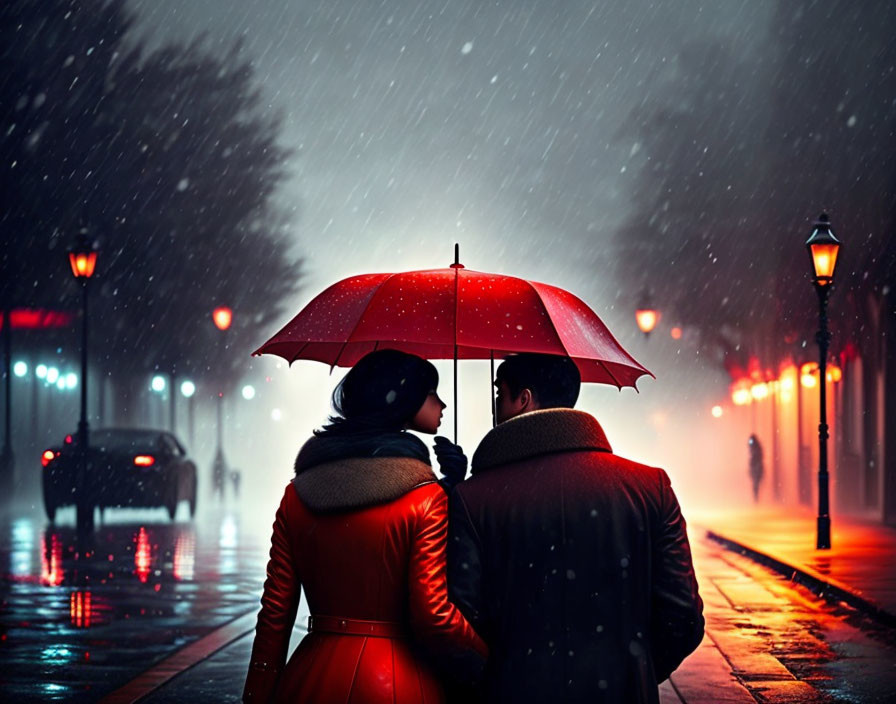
<point x="297" y="354"/>
<point x="550" y="319"/>
<point x="612" y="375"/>
<point x="336" y="361"/>
<point x="349" y="336"/>
<point x="557" y="332"/>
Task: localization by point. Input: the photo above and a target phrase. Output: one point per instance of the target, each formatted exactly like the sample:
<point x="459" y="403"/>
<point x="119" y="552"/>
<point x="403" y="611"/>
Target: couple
<point x="564" y="573"/>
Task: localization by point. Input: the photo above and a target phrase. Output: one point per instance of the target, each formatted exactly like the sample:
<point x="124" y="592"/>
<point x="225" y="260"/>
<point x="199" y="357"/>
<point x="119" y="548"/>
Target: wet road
<point x="78" y="623"/>
<point x="77" y="627"/>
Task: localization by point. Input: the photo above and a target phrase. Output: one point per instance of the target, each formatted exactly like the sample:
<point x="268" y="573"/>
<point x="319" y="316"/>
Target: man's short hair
<point x="553" y="380"/>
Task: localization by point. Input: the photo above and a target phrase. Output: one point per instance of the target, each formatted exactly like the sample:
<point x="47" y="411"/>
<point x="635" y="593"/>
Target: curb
<point x="182" y="660"/>
<point x="827" y="589"/>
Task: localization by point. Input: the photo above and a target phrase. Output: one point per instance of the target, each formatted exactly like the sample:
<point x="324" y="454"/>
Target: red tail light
<point x="47" y="457"/>
<point x="144" y="460"/>
<point x="69" y="439"/>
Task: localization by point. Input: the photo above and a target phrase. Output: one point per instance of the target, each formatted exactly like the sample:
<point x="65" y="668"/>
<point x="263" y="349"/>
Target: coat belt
<point x="356" y="627"/>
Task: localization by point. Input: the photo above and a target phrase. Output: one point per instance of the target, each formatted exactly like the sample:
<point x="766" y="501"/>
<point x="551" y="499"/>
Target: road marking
<point x="182" y="660"/>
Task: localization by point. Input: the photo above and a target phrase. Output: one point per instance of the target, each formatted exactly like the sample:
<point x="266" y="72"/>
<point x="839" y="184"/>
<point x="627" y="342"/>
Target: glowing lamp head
<point x="741" y="396"/>
<point x="647" y="319"/>
<point x="82" y="257"/>
<point x="759" y="391"/>
<point x="223" y="316"/>
<point x="47" y="457"/>
<point x="834" y="373"/>
<point x="823" y="247"/>
<point x="809" y="375"/>
<point x="717" y="411"/>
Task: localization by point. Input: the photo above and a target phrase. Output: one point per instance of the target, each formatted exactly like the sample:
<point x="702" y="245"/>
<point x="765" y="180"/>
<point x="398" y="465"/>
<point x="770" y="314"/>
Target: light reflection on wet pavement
<point x="76" y="625"/>
<point x="76" y="628"/>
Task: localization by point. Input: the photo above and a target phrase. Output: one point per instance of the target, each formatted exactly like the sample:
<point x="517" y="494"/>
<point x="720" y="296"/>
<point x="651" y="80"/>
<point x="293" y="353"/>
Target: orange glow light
<point x="83" y="264"/>
<point x="716" y="411"/>
<point x="809" y="381"/>
<point x="824" y="258"/>
<point x="51" y="572"/>
<point x="759" y="391"/>
<point x="647" y="319"/>
<point x="47" y="457"/>
<point x="834" y="374"/>
<point x="142" y="556"/>
<point x="675" y="333"/>
<point x="80" y="609"/>
<point x="222" y="316"/>
<point x="144" y="460"/>
<point x="741" y="397"/>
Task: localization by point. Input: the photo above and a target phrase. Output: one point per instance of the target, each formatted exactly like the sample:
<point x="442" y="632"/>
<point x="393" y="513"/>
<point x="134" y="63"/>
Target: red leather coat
<point x="384" y="562"/>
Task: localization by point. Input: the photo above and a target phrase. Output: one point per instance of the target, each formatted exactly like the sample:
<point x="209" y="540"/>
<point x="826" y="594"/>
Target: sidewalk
<point x="859" y="569"/>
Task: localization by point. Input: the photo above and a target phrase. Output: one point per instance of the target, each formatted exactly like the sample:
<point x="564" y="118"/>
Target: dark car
<point x="125" y="467"/>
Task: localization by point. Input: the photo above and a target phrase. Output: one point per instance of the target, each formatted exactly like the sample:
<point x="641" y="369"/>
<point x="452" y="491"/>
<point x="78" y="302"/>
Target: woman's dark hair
<point x="381" y="393"/>
<point x="553" y="380"/>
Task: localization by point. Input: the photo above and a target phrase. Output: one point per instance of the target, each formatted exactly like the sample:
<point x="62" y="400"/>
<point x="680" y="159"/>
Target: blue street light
<point x="41" y="371"/>
<point x="52" y="375"/>
<point x="71" y="380"/>
<point x="20" y="368"/>
<point x="248" y="392"/>
<point x="188" y="388"/>
<point x="158" y="383"/>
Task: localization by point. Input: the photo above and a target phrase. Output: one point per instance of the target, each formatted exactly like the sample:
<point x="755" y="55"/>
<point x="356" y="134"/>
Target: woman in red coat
<point x="362" y="529"/>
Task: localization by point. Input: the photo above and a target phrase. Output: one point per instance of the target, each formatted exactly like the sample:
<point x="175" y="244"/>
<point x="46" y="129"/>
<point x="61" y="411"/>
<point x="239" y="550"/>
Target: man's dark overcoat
<point x="572" y="563"/>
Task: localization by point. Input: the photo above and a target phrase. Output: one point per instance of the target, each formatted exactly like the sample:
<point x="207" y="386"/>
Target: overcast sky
<point x="495" y="124"/>
<point x="419" y="123"/>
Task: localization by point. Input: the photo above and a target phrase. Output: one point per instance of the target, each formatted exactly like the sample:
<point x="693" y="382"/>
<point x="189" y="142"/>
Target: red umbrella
<point x="453" y="313"/>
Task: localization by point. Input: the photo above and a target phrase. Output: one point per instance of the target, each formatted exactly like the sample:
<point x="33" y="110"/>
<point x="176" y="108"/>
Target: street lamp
<point x="222" y="316"/>
<point x="646" y="315"/>
<point x="823" y="247"/>
<point x="82" y="258"/>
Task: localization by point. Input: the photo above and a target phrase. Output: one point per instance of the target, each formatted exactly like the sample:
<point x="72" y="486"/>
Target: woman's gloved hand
<point x="452" y="462"/>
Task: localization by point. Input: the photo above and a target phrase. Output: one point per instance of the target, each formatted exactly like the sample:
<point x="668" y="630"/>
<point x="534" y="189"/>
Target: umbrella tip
<point x="457" y="264"/>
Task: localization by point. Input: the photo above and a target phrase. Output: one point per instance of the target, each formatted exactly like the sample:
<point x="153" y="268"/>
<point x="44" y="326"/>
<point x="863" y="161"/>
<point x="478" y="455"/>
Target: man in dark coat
<point x="572" y="563"/>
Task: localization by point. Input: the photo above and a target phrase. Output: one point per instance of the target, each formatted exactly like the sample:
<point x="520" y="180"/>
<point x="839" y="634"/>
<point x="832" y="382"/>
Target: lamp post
<point x="82" y="258"/>
<point x="646" y="315"/>
<point x="222" y="316"/>
<point x="823" y="247"/>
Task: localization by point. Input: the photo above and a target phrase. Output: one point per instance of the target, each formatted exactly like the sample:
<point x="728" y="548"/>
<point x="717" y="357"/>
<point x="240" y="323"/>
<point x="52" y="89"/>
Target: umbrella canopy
<point x="453" y="313"/>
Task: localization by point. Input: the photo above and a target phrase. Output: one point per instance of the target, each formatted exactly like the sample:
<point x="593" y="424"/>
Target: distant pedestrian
<point x="757" y="465"/>
<point x="219" y="470"/>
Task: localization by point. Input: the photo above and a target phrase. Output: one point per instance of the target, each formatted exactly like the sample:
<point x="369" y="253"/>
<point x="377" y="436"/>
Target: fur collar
<point x="539" y="433"/>
<point x="331" y="447"/>
<point x="357" y="482"/>
<point x="344" y="472"/>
